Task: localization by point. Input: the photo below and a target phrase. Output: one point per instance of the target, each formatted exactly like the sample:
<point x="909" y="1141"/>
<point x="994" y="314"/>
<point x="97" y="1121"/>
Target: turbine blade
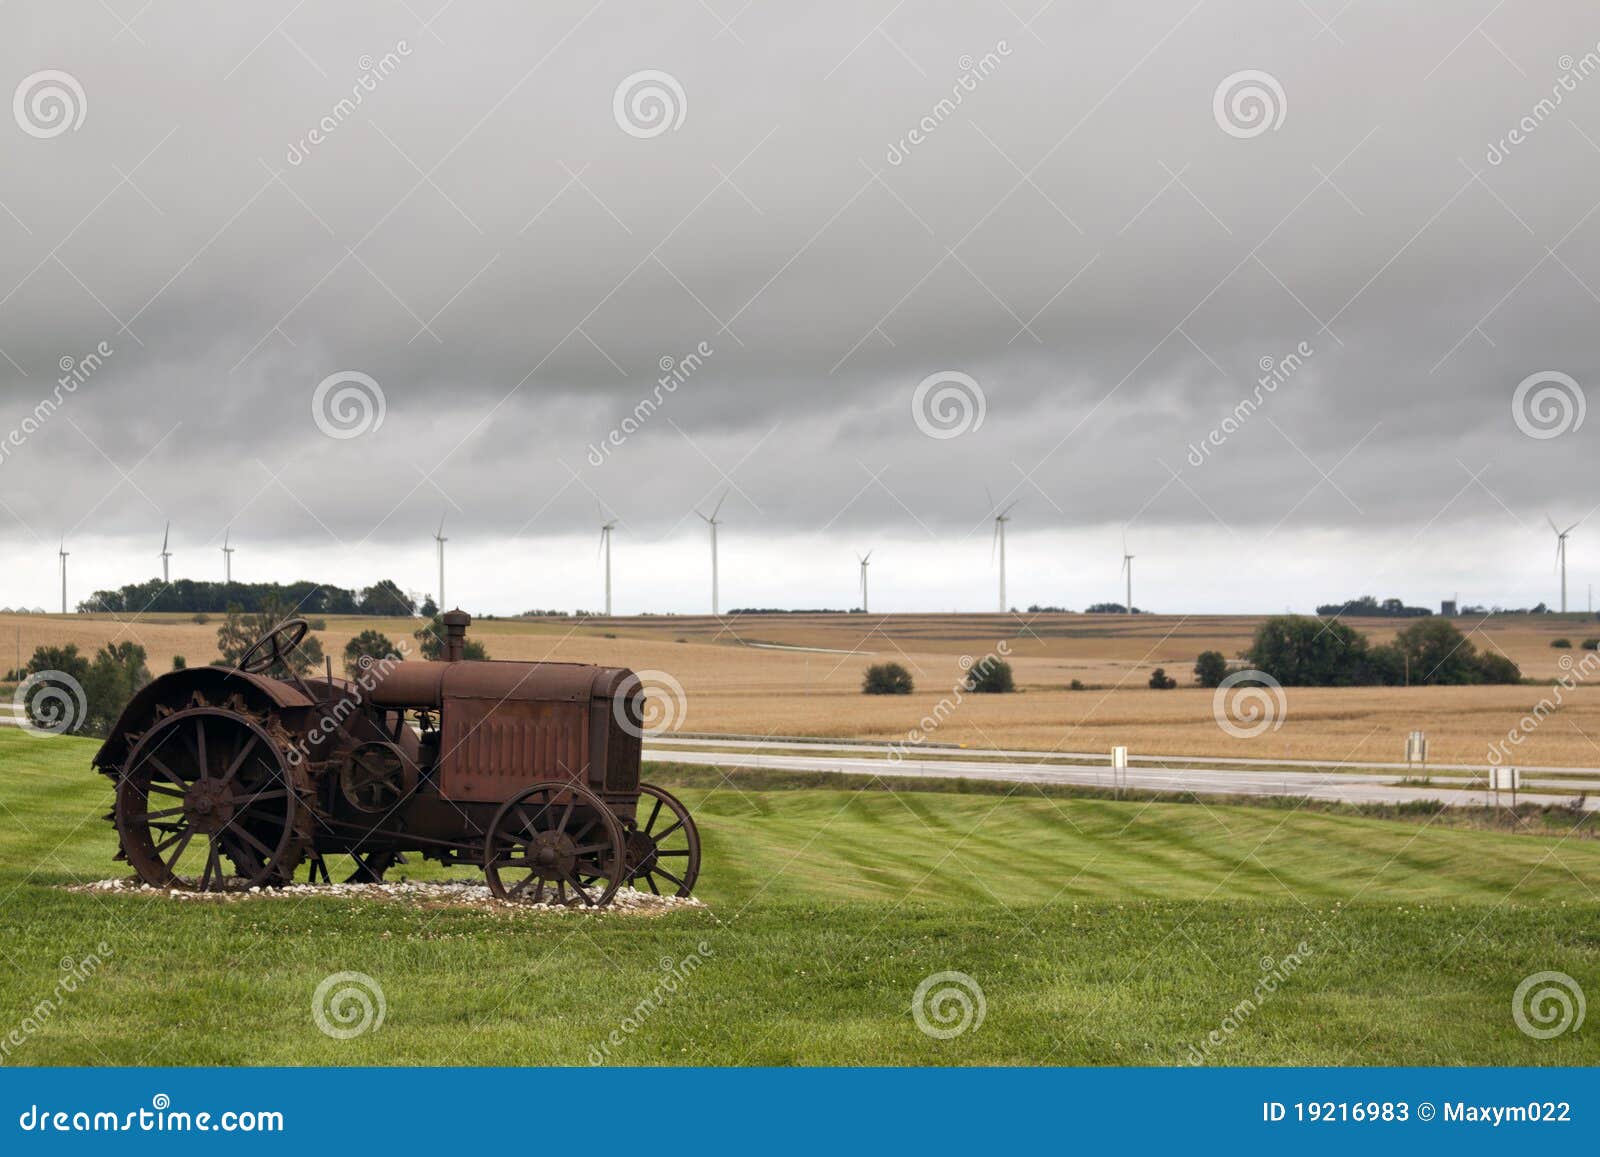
<point x="715" y="509"/>
<point x="1552" y="523"/>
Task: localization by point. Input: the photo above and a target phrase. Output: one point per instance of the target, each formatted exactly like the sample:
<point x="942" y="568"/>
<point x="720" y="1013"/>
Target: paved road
<point x="1334" y="786"/>
<point x="1100" y="758"/>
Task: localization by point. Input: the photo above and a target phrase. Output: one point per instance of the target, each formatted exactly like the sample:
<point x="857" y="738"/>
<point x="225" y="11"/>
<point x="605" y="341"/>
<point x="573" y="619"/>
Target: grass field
<point x="734" y="685"/>
<point x="1099" y="932"/>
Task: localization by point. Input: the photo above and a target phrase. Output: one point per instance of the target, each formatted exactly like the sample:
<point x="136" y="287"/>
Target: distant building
<point x="1448" y="608"/>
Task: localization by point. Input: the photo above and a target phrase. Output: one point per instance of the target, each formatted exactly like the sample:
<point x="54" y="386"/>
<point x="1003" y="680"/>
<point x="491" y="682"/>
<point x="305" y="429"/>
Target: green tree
<point x="370" y="645"/>
<point x="1437" y="653"/>
<point x="60" y="675"/>
<point x="385" y="597"/>
<point x="1303" y="652"/>
<point x="887" y="679"/>
<point x="1210" y="669"/>
<point x="990" y="676"/>
<point x="429" y="608"/>
<point x="1161" y="681"/>
<point x="116" y="675"/>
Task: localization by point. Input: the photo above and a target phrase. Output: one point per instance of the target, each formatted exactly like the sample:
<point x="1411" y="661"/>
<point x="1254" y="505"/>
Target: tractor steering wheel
<point x="273" y="647"/>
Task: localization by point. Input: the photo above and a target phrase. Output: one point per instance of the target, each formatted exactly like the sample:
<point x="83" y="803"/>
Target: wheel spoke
<point x="146" y="817"/>
<point x="654" y="812"/>
<point x="236" y="830"/>
<point x="651" y="881"/>
<point x="213" y="856"/>
<point x="182" y="837"/>
<point x="163" y="788"/>
<point x="573" y="880"/>
<point x="669" y="831"/>
<point x="238" y="760"/>
<point x="200" y="747"/>
<point x="167" y="771"/>
<point x="669" y="876"/>
<point x="675" y="852"/>
<point x="274" y="793"/>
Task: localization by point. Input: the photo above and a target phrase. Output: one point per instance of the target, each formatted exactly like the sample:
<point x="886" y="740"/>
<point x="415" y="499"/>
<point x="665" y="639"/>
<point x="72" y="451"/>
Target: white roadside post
<point x="1119" y="769"/>
<point x="1505" y="779"/>
<point x="1417" y="752"/>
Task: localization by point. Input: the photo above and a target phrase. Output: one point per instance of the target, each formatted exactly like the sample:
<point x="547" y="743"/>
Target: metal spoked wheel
<point x="663" y="844"/>
<point x="205" y="803"/>
<point x="555" y="843"/>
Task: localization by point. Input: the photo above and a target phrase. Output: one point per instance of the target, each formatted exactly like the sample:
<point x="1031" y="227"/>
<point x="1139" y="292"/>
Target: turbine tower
<point x="1127" y="569"/>
<point x="1561" y="555"/>
<point x="605" y="548"/>
<point x="439" y="540"/>
<point x="998" y="546"/>
<point x="61" y="551"/>
<point x="227" y="558"/>
<point x="864" y="563"/>
<point x="165" y="553"/>
<point x="711" y="521"/>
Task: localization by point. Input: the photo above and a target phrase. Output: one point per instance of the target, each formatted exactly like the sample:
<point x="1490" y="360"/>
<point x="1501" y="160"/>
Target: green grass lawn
<point x="1099" y="932"/>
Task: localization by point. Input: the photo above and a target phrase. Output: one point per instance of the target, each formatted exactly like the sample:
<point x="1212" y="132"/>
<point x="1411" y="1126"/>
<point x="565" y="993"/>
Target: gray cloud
<point x="1079" y="235"/>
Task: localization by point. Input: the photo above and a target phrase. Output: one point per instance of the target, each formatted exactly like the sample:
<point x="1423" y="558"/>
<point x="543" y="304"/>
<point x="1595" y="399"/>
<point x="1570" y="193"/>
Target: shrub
<point x="201" y="618"/>
<point x="1161" y="681"/>
<point x="1075" y="685"/>
<point x="1210" y="669"/>
<point x="991" y="677"/>
<point x="1591" y="644"/>
<point x="887" y="679"/>
<point x="179" y="662"/>
<point x="1561" y="644"/>
<point x="369" y="645"/>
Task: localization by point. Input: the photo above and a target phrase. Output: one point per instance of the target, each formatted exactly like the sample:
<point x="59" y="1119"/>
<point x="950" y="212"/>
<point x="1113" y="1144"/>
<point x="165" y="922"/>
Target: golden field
<point x="735" y="682"/>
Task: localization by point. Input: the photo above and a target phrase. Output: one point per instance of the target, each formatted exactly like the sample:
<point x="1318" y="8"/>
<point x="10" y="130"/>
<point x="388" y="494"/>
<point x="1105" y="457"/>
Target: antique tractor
<point x="232" y="778"/>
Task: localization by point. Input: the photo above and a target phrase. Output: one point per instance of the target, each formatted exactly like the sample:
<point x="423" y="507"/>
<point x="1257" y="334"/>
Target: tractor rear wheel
<point x="206" y="802"/>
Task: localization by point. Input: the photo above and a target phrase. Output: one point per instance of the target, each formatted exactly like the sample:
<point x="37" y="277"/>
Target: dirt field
<point x="737" y="680"/>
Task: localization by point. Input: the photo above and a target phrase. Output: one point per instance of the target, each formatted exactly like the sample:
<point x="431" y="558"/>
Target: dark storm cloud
<point x="1078" y="235"/>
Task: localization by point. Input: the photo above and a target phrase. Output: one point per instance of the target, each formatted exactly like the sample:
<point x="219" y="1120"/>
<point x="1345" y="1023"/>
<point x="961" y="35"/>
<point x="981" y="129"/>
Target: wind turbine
<point x="1127" y="568"/>
<point x="165" y="553"/>
<point x="61" y="551"/>
<point x="864" y="563"/>
<point x="711" y="521"/>
<point x="227" y="558"/>
<point x="605" y="548"/>
<point x="998" y="546"/>
<point x="1561" y="554"/>
<point x="439" y="540"/>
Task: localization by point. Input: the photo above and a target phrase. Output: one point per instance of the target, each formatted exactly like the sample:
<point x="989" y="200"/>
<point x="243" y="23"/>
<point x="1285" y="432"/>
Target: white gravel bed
<point x="452" y="894"/>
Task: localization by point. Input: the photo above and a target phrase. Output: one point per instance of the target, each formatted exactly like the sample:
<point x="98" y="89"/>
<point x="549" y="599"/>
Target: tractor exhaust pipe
<point x="455" y="634"/>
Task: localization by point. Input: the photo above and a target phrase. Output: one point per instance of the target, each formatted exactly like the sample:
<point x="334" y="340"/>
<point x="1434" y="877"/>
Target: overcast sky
<point x="1081" y="218"/>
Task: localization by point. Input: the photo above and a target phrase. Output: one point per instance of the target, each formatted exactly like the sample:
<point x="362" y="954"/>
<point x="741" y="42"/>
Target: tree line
<point x="384" y="597"/>
<point x="1299" y="651"/>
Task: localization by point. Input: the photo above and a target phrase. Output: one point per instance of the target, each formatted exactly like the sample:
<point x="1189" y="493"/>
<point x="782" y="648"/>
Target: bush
<point x="1075" y="685"/>
<point x="1303" y="652"/>
<point x="887" y="679"/>
<point x="1561" y="644"/>
<point x="118" y="670"/>
<point x="1161" y="681"/>
<point x="1210" y="669"/>
<point x="179" y="662"/>
<point x="1591" y="644"/>
<point x="369" y="645"/>
<point x="202" y="618"/>
<point x="991" y="677"/>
